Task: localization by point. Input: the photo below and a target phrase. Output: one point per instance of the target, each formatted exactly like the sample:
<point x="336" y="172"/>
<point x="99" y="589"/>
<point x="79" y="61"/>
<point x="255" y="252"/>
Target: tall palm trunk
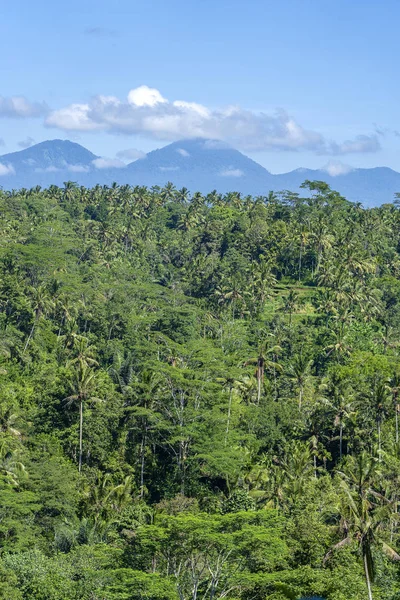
<point x="260" y="377"/>
<point x="300" y="257"/>
<point x="379" y="440"/>
<point x="80" y="433"/>
<point x="30" y="336"/>
<point x="367" y="578"/>
<point x="142" y="464"/>
<point x="228" y="420"/>
<point x="341" y="440"/>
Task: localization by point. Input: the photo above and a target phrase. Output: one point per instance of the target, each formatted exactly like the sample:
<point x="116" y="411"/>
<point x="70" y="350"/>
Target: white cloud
<point x="108" y="163"/>
<point x="336" y="168"/>
<point x="50" y="169"/>
<point x="6" y="170"/>
<point x="2" y="142"/>
<point x="26" y="143"/>
<point x="74" y="117"/>
<point x="183" y="152"/>
<point x="77" y="168"/>
<point x="192" y="107"/>
<point x="360" y="144"/>
<point x="131" y="154"/>
<point x="145" y="96"/>
<point x="169" y="168"/>
<point x="18" y="107"/>
<point x="146" y="112"/>
<point x="232" y="173"/>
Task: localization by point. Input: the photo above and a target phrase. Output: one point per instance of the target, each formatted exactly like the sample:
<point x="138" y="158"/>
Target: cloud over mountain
<point x="130" y="154"/>
<point x="108" y="163"/>
<point x="361" y="144"/>
<point x="146" y="112"/>
<point x="6" y="169"/>
<point x="335" y="168"/>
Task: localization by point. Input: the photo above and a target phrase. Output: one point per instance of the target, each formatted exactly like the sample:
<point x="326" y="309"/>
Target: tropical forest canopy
<point x="199" y="395"/>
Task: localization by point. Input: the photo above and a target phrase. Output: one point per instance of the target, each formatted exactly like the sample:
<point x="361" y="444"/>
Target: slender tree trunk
<point x="379" y="440"/>
<point x="315" y="466"/>
<point x="260" y="377"/>
<point x="228" y="421"/>
<point x="396" y="408"/>
<point x="59" y="331"/>
<point x="275" y="388"/>
<point x="80" y="434"/>
<point x="341" y="440"/>
<point x="183" y="454"/>
<point x="300" y="257"/>
<point x="300" y="397"/>
<point x="367" y="578"/>
<point x="29" y="338"/>
<point x="142" y="463"/>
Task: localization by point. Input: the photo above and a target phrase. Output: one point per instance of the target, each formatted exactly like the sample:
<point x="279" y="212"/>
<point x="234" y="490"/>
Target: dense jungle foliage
<point x="199" y="395"/>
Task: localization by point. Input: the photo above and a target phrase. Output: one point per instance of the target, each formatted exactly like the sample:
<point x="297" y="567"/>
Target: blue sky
<point x="290" y="83"/>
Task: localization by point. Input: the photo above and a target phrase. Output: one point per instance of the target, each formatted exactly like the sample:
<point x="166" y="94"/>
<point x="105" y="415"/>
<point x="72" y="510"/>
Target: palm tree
<point x="183" y="195"/>
<point x="10" y="467"/>
<point x="263" y="361"/>
<point x="299" y="372"/>
<point x="290" y="304"/>
<point x="140" y="394"/>
<point x="105" y="500"/>
<point x="364" y="513"/>
<point x="380" y="395"/>
<point x="42" y="303"/>
<point x="8" y="419"/>
<point x="303" y="239"/>
<point x="297" y="468"/>
<point x="168" y="192"/>
<point x="395" y="387"/>
<point x="82" y="385"/>
<point x="341" y="401"/>
<point x="69" y="191"/>
<point x="84" y="353"/>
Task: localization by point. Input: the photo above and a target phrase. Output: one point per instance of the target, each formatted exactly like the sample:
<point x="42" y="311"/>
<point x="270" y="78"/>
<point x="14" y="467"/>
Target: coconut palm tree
<point x="82" y="386"/>
<point x="340" y="399"/>
<point x="265" y="359"/>
<point x="42" y="303"/>
<point x="394" y="383"/>
<point x="299" y="372"/>
<point x="364" y="513"/>
<point x="11" y="468"/>
<point x="105" y="500"/>
<point x="291" y="302"/>
<point x="380" y="393"/>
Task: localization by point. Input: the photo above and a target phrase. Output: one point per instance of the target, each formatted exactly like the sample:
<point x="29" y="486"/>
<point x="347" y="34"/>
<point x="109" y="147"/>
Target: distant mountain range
<point x="199" y="165"/>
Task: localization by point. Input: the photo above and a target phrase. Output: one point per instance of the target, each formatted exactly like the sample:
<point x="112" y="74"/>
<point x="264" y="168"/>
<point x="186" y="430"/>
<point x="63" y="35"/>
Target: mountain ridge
<point x="197" y="164"/>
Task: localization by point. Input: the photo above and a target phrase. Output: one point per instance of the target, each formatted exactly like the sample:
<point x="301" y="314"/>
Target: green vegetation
<point x="199" y="396"/>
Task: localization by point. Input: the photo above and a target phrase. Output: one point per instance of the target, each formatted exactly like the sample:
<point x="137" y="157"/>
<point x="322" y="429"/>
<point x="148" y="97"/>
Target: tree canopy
<point x="199" y="395"/>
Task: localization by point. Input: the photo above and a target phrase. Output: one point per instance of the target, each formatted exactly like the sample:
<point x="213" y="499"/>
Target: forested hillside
<point x="199" y="395"/>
